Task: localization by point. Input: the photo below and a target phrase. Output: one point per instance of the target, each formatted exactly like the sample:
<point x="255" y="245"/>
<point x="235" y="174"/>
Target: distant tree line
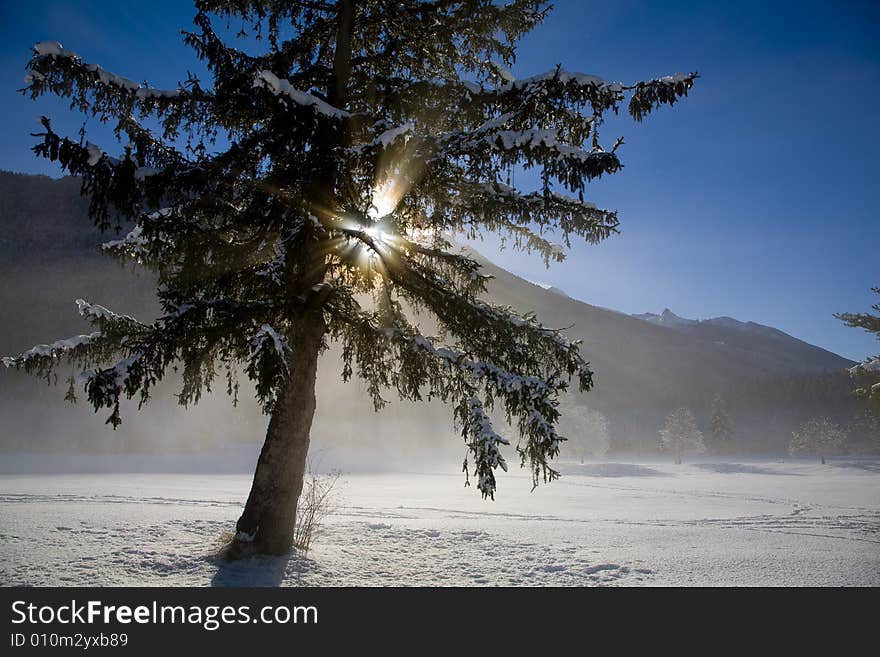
<point x="798" y="430"/>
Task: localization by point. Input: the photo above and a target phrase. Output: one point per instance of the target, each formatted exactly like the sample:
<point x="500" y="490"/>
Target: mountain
<point x="766" y="346"/>
<point x="551" y="288"/>
<point x="644" y="366"/>
<point x="666" y="318"/>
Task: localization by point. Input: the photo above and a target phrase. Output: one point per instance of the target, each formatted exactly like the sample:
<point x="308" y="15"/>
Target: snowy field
<point x="710" y="523"/>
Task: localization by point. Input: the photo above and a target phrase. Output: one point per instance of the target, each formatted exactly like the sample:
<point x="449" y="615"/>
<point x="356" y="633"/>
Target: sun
<point x="378" y="235"/>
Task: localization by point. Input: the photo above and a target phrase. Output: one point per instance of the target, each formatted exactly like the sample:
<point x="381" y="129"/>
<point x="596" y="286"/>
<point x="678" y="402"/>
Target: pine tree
<point x="586" y="431"/>
<point x="868" y="372"/>
<point x="817" y="437"/>
<point x="304" y="196"/>
<point x="680" y="434"/>
<point x="721" y="427"/>
<point x="863" y="431"/>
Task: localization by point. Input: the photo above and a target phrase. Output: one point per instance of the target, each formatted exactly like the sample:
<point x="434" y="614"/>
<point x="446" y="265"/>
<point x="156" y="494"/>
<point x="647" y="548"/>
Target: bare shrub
<point x="223" y="542"/>
<point x="318" y="500"/>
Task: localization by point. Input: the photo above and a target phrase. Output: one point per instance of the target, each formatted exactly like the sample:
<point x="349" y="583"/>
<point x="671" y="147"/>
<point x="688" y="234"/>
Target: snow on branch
<point x="869" y="369"/>
<point x="601" y="95"/>
<point x="95" y="313"/>
<point x="282" y="87"/>
<point x="520" y="365"/>
<point x="95" y="154"/>
<point x="55" y="50"/>
<point x="527" y="387"/>
<point x="509" y="140"/>
<point x="527" y="397"/>
<point x="552" y="209"/>
<point x="528" y="118"/>
<point x="527" y="322"/>
<point x="115" y="187"/>
<point x="562" y="76"/>
<point x="104" y="387"/>
<point x="114" y="334"/>
<point x="152" y="237"/>
<point x="132" y="245"/>
<point x="268" y="336"/>
<point x="55" y="350"/>
<point x="387" y="138"/>
<point x="268" y="363"/>
<point x="569" y="164"/>
<point x="662" y="91"/>
<point x="872" y="365"/>
<point x="483" y="443"/>
<point x="95" y="91"/>
<point x="481" y="324"/>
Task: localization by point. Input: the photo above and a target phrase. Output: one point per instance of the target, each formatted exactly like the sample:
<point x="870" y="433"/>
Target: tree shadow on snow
<point x="260" y="571"/>
<point x="739" y="468"/>
<point x="612" y="470"/>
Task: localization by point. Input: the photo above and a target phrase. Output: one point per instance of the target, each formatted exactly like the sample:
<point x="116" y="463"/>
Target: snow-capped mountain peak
<point x="550" y="288"/>
<point x="667" y="318"/>
<point x="670" y="320"/>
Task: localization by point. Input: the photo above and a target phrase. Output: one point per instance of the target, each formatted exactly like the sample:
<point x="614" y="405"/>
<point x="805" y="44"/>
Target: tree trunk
<point x="266" y="525"/>
<point x="823" y="460"/>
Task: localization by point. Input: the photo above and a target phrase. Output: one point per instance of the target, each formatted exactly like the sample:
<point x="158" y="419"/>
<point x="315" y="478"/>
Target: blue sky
<point x="751" y="198"/>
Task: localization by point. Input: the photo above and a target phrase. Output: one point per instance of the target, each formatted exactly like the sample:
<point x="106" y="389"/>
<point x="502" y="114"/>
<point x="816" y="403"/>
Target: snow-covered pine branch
<point x="53" y="50"/>
<point x="51" y="352"/>
<point x="504" y="209"/>
<point x="116" y="335"/>
<point x="268" y="362"/>
<point x="109" y="96"/>
<point x="478" y="325"/>
<point x="866" y="373"/>
<point x="401" y="358"/>
<point x="483" y="442"/>
<point x="107" y="320"/>
<point x="584" y="90"/>
<point x="282" y="88"/>
<point x="535" y="147"/>
<point x="133" y="245"/>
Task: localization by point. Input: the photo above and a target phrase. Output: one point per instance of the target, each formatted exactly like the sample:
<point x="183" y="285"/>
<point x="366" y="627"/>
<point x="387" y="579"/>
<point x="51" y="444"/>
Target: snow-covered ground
<point x="708" y="523"/>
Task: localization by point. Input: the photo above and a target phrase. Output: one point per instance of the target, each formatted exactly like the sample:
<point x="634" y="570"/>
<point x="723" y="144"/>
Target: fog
<point x="43" y="433"/>
<point x="771" y="382"/>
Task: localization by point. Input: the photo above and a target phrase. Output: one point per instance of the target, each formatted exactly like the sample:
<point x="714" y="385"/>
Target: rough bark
<point x="266" y="525"/>
<point x="338" y="91"/>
